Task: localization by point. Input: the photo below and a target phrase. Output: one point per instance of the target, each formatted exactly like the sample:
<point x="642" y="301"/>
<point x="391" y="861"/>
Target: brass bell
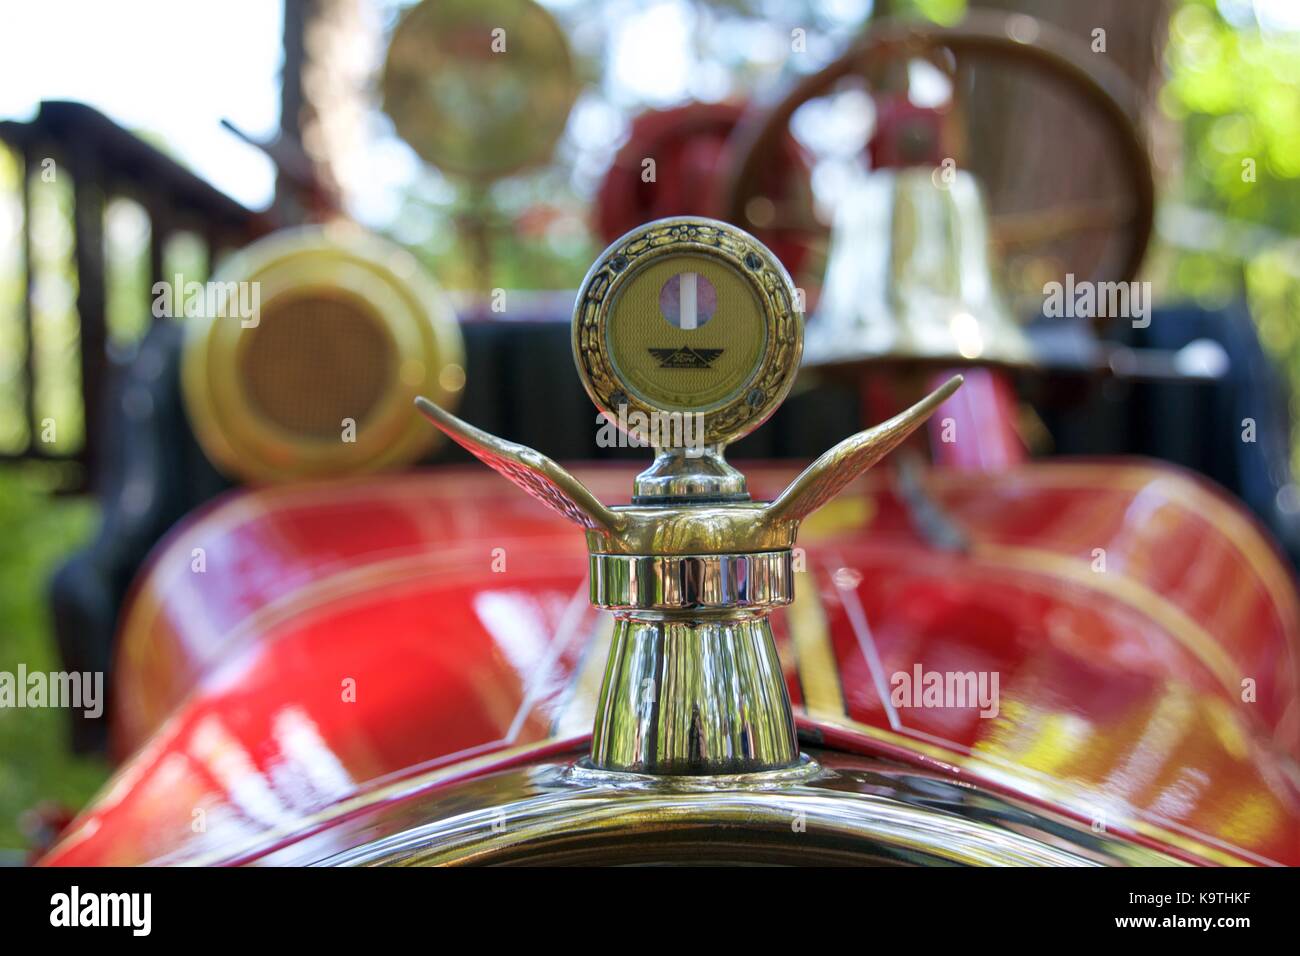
<point x="908" y="276"/>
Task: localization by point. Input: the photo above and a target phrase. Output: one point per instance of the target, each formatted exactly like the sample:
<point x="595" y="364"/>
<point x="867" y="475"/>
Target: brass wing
<point x="532" y="471"/>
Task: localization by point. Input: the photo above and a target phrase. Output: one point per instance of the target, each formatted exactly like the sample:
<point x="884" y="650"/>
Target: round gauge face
<point x="686" y="333"/>
<point x="479" y="88"/>
<point x="687" y="316"/>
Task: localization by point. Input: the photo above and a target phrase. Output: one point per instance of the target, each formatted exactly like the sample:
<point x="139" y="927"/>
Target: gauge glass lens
<point x="686" y="333"/>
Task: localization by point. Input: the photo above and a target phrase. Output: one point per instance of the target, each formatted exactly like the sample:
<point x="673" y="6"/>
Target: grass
<point x="37" y="531"/>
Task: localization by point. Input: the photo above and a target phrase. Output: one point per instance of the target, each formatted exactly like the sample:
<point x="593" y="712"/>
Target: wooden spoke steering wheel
<point x="1097" y="237"/>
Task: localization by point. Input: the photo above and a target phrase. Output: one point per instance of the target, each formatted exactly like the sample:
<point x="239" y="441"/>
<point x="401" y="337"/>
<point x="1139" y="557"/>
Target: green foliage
<point x="1234" y="89"/>
<point x="13" y="334"/>
<point x="945" y="12"/>
<point x="37" y="530"/>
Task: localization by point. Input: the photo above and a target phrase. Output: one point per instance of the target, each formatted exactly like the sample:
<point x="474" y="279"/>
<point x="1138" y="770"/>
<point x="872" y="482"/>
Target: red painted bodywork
<point x="292" y="651"/>
<point x="984" y="406"/>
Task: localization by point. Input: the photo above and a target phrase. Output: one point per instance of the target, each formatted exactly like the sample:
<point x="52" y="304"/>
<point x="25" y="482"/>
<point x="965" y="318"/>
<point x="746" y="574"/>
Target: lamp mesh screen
<point x="315" y="360"/>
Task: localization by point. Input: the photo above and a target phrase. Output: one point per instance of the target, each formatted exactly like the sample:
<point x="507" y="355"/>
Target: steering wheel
<point x="992" y="38"/>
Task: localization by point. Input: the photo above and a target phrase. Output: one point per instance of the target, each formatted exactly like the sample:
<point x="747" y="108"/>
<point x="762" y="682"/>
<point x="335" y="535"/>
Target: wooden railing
<point x="103" y="161"/>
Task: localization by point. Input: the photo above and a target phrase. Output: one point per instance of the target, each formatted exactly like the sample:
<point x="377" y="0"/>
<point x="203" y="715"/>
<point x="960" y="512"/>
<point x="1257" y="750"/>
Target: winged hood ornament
<point x="693" y="567"/>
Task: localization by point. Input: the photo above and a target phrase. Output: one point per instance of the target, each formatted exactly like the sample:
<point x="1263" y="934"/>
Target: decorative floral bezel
<point x="755" y="401"/>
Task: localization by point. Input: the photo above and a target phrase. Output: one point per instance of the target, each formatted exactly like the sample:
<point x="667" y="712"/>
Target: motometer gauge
<point x="686" y="335"/>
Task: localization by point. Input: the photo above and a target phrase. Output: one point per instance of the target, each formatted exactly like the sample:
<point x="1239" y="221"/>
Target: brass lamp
<point x="690" y="317"/>
<point x="316" y="380"/>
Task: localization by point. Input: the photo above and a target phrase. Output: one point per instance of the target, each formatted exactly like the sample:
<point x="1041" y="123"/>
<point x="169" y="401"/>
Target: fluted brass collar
<point x="756" y="582"/>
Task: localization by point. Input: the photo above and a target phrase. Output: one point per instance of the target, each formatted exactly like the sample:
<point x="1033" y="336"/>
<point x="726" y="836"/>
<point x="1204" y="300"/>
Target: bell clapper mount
<point x="690" y="317"/>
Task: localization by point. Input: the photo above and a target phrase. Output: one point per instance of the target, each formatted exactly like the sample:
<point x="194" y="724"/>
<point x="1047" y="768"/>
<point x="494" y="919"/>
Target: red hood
<point x="324" y="641"/>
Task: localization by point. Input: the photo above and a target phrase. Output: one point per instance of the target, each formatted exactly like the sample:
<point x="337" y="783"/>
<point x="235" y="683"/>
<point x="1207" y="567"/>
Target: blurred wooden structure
<point x="105" y="161"/>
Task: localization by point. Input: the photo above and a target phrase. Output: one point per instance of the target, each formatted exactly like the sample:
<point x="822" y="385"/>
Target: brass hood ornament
<point x="693" y="567"/>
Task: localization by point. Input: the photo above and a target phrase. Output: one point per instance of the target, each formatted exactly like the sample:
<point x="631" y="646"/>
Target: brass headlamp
<point x="690" y="317"/>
